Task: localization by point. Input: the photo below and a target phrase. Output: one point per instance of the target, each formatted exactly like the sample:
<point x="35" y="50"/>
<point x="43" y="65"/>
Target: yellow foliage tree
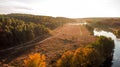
<point x="65" y="60"/>
<point x="82" y="57"/>
<point x="35" y="60"/>
<point x="86" y="57"/>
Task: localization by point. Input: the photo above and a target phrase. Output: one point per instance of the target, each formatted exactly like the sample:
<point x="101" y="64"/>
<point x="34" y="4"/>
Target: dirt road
<point x="66" y="37"/>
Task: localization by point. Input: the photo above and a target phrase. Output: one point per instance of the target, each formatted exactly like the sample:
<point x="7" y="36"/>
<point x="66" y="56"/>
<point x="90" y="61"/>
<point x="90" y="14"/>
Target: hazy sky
<point x="65" y="8"/>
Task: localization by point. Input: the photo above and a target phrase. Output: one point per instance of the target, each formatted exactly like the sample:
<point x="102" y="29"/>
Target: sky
<point x="63" y="8"/>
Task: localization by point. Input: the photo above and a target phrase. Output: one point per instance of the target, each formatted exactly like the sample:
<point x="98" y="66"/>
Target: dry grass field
<point x="66" y="37"/>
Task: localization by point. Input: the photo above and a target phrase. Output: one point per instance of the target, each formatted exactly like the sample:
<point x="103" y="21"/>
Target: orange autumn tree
<point x="35" y="60"/>
<point x="86" y="57"/>
<point x="82" y="57"/>
<point x="65" y="60"/>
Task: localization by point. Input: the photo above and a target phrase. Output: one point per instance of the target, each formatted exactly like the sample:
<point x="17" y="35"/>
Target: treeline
<point x="92" y="55"/>
<point x="105" y="23"/>
<point x="20" y="28"/>
<point x="14" y="32"/>
<point x="48" y="21"/>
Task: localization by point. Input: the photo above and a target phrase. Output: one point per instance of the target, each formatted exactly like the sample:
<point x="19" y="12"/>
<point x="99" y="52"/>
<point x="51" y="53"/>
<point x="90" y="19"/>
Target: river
<point x="116" y="56"/>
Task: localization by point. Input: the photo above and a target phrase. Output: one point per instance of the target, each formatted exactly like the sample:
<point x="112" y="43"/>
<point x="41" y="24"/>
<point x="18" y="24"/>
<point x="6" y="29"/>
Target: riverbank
<point x="114" y="61"/>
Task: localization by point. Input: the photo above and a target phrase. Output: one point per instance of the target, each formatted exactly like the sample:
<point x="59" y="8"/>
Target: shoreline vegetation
<point x="107" y="24"/>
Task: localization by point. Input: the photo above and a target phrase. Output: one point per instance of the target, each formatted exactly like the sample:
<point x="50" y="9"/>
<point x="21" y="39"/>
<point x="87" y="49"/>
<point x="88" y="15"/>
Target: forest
<point x="16" y="29"/>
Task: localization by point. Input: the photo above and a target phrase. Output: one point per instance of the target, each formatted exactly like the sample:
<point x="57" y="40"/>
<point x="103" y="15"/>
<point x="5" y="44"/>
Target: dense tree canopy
<point x="48" y="21"/>
<point x="13" y="31"/>
<point x="20" y="28"/>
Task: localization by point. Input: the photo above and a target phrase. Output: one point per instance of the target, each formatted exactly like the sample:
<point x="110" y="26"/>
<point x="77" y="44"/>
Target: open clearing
<point x="66" y="37"/>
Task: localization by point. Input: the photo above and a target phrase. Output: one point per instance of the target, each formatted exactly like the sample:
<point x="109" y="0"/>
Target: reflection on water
<point x="116" y="56"/>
